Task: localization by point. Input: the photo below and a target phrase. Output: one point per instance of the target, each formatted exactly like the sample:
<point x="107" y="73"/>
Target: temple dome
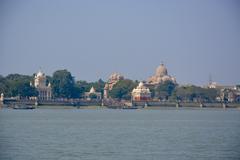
<point x="115" y="76"/>
<point x="166" y="78"/>
<point x="140" y="85"/>
<point x="161" y="76"/>
<point x="40" y="74"/>
<point x="161" y="71"/>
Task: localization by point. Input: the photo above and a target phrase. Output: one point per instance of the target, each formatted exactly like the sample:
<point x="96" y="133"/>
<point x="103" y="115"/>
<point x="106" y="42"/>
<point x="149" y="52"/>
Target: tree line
<point x="64" y="85"/>
<point x="166" y="91"/>
<point x="62" y="82"/>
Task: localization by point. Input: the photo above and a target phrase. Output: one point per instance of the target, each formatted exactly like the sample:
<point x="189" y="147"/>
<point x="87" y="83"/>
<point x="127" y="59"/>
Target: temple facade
<point x="92" y="94"/>
<point x="44" y="91"/>
<point x="160" y="76"/>
<point x="141" y="93"/>
<point x="113" y="79"/>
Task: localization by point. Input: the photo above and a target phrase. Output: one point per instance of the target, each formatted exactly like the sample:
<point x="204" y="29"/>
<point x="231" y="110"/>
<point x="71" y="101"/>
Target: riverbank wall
<point x="110" y="103"/>
<point x="185" y="104"/>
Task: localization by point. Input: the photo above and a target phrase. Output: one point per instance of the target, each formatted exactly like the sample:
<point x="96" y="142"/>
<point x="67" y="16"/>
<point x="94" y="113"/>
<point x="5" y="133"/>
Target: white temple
<point x="141" y="93"/>
<point x="44" y="91"/>
<point x="93" y="92"/>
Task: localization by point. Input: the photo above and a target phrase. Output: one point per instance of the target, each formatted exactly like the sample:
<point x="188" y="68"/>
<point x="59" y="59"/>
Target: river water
<point x="107" y="134"/>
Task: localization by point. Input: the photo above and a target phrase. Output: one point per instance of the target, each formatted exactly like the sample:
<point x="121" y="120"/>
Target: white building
<point x="92" y="92"/>
<point x="141" y="93"/>
<point x="44" y="91"/>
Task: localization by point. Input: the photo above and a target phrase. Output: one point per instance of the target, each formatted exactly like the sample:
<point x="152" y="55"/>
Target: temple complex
<point x="44" y="91"/>
<point x="113" y="79"/>
<point x="92" y="94"/>
<point x="141" y="93"/>
<point x="161" y="75"/>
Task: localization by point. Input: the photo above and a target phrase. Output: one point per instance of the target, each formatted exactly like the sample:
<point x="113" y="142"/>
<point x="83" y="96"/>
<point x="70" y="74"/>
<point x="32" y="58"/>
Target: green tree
<point x="190" y="93"/>
<point x="165" y="90"/>
<point x="25" y="90"/>
<point x="63" y="84"/>
<point x="18" y="85"/>
<point x="122" y="89"/>
<point x="98" y="85"/>
<point x="238" y="86"/>
<point x="153" y="91"/>
<point x="84" y="86"/>
<point x="49" y="79"/>
<point x="92" y="96"/>
<point x="3" y="85"/>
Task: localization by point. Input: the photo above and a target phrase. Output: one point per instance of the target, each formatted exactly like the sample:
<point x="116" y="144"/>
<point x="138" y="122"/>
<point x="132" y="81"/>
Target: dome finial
<point x="40" y="73"/>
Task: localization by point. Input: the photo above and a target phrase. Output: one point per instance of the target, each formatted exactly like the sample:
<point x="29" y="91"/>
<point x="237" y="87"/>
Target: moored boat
<point x="23" y="107"/>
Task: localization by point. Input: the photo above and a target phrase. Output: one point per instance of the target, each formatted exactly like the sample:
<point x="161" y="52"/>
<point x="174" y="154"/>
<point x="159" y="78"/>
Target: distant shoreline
<point x="139" y="107"/>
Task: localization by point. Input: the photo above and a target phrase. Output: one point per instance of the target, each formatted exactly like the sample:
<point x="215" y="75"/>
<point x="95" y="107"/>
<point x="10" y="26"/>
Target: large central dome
<point x="40" y="74"/>
<point x="161" y="71"/>
<point x="161" y="76"/>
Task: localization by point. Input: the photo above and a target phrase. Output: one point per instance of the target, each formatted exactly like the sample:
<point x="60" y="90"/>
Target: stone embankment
<point x="114" y="103"/>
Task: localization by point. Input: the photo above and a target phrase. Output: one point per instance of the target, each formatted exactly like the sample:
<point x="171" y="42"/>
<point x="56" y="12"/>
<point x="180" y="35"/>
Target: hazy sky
<point x="92" y="39"/>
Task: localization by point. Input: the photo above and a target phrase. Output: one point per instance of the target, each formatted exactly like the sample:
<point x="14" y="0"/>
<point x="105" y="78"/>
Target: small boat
<point x="132" y="107"/>
<point x="23" y="107"/>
